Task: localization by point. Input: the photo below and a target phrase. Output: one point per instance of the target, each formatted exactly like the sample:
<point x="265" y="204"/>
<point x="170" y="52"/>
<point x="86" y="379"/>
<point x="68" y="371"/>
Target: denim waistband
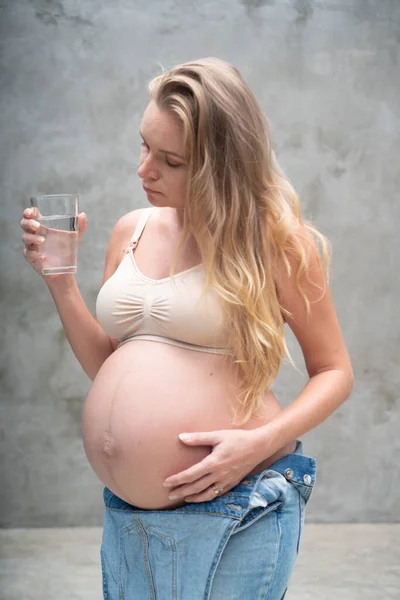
<point x="296" y="468"/>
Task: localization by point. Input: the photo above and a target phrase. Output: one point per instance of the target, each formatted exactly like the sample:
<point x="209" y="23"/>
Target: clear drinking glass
<point x="58" y="216"/>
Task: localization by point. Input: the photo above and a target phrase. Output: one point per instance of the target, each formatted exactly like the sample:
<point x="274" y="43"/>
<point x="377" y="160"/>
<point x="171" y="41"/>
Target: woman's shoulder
<point x="122" y="234"/>
<point x="127" y="223"/>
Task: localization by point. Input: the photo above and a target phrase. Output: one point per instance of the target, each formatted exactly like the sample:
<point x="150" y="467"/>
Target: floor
<point x="336" y="562"/>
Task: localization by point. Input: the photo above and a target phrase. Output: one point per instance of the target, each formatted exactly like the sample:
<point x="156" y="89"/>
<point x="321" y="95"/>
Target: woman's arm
<point x="327" y="360"/>
<point x="90" y="344"/>
<point x="88" y="341"/>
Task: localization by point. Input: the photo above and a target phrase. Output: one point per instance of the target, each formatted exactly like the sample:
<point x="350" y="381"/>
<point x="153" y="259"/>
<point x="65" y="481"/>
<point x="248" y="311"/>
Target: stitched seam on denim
<point x="303" y="520"/>
<point x="184" y="512"/>
<point x="276" y="554"/>
<point x="170" y="541"/>
<point x="215" y="563"/>
<point x="307" y="490"/>
<point x="174" y="573"/>
<point x="228" y="515"/>
<point x="211" y="514"/>
<point x="142" y="532"/>
<point x="300" y="512"/>
<point x="103" y="570"/>
<point x="129" y="528"/>
<point x="120" y="577"/>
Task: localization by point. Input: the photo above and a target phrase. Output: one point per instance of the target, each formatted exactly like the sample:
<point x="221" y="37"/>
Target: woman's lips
<point x="149" y="191"/>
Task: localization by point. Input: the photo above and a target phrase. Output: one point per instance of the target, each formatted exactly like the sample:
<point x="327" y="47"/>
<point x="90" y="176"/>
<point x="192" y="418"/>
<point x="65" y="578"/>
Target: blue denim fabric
<point x="239" y="546"/>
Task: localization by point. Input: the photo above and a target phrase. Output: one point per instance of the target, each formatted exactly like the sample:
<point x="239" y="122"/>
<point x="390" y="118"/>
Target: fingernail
<point x="184" y="436"/>
<point x="40" y="239"/>
<point x="167" y="484"/>
<point x="172" y="497"/>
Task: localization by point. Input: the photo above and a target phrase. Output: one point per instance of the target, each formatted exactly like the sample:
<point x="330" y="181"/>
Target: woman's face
<point x="163" y="167"/>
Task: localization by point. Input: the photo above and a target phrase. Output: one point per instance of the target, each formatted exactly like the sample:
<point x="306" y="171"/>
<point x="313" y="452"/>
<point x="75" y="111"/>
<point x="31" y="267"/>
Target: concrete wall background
<point x="73" y="87"/>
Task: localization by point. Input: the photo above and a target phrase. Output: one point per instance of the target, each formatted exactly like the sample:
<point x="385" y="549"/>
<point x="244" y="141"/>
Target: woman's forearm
<point x="88" y="341"/>
<point x="320" y="397"/>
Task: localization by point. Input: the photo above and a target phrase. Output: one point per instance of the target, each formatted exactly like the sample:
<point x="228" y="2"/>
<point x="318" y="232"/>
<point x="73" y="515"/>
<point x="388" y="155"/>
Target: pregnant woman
<point x="205" y="479"/>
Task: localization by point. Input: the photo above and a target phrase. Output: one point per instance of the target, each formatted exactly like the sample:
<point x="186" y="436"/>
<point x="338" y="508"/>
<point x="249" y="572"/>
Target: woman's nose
<point x="147" y="169"/>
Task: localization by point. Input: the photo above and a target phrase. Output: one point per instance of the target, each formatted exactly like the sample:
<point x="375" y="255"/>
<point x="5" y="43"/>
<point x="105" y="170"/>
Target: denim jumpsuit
<point x="241" y="545"/>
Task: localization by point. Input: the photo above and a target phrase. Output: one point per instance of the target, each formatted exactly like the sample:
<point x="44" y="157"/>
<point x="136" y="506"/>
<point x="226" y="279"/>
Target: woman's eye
<point x="146" y="148"/>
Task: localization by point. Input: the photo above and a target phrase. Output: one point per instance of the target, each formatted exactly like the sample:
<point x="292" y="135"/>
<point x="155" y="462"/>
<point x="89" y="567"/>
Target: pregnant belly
<point x="144" y="395"/>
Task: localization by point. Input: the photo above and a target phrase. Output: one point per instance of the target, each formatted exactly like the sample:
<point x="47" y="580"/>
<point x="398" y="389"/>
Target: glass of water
<point x="58" y="217"/>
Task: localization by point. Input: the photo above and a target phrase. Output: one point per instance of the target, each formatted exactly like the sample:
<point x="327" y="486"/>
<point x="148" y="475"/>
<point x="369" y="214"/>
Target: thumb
<point x="209" y="438"/>
<point x="82" y="224"/>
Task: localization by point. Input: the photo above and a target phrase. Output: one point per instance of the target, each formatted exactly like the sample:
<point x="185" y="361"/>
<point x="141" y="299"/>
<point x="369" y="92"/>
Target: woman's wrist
<point x="266" y="440"/>
<point x="60" y="283"/>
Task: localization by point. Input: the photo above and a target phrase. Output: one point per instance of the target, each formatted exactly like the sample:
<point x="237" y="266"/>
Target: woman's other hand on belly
<point x="234" y="454"/>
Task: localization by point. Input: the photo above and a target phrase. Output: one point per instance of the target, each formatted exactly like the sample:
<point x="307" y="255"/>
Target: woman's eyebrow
<point x="164" y="151"/>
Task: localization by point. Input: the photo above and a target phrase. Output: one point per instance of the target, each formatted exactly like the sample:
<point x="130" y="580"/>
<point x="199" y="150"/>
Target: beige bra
<point x="131" y="306"/>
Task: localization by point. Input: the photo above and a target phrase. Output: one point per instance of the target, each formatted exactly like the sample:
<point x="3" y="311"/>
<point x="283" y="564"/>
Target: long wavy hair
<point x="243" y="213"/>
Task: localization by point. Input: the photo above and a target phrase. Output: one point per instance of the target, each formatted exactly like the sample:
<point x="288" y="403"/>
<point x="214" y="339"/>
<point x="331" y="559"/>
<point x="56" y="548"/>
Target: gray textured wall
<point x="73" y="87"/>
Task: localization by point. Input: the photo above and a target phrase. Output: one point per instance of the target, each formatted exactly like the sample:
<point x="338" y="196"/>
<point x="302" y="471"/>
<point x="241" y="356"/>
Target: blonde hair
<point x="242" y="211"/>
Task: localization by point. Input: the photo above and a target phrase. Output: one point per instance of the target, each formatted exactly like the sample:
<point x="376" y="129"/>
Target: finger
<point x="195" y="488"/>
<point x="31" y="213"/>
<point x="199" y="470"/>
<point x="209" y="438"/>
<point x="32" y="240"/>
<point x="33" y="256"/>
<point x="82" y="224"/>
<point x="206" y="495"/>
<point x="29" y="225"/>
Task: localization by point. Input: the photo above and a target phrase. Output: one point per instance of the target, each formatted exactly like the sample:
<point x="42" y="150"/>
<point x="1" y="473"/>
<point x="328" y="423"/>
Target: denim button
<point x="289" y="474"/>
<point x="307" y="479"/>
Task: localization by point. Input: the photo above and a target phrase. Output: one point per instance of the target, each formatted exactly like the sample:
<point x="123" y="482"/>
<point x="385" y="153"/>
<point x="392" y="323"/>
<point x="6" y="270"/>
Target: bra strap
<point x="140" y="226"/>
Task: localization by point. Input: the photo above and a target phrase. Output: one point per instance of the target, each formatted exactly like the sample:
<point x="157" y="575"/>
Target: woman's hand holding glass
<point x="33" y="240"/>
